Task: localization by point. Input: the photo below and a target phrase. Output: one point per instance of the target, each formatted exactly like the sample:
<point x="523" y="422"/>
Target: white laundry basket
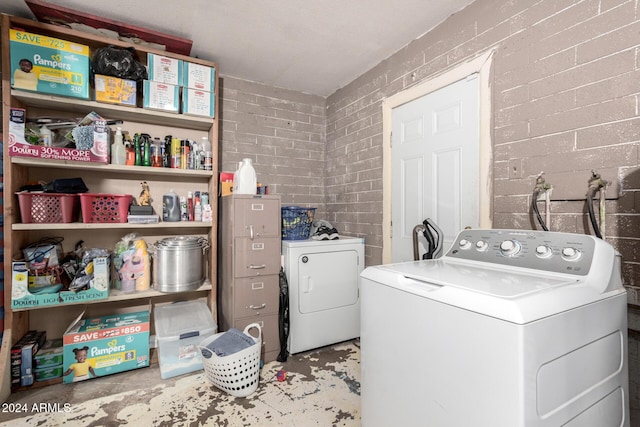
<point x="239" y="373"/>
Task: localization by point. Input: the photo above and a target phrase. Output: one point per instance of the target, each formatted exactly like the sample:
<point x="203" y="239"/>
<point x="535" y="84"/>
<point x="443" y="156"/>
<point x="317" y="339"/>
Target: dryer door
<point x="327" y="280"/>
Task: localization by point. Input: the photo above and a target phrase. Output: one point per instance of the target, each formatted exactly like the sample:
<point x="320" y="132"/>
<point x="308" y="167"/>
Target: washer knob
<point x="481" y="245"/>
<point x="543" y="251"/>
<point x="571" y="254"/>
<point x="509" y="247"/>
<point x="464" y="244"/>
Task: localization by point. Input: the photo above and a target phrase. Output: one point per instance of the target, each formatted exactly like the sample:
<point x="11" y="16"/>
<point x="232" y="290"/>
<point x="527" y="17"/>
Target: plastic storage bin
<point x="296" y="222"/>
<point x="180" y="327"/>
<point x="48" y="207"/>
<point x="105" y="207"/>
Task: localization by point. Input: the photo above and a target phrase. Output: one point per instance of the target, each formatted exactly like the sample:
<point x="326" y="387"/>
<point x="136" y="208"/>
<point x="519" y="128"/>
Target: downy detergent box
<point x="105" y="345"/>
<point x="49" y="65"/>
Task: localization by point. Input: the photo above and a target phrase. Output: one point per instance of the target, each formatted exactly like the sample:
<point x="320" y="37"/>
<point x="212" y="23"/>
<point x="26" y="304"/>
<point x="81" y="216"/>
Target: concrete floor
<point x="321" y="388"/>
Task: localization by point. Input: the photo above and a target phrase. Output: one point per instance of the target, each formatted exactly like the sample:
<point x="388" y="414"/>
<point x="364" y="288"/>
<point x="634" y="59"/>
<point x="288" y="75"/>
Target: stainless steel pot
<point x="179" y="263"/>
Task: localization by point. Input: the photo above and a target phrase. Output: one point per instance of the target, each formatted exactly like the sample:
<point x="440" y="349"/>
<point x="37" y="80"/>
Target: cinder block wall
<point x="565" y="85"/>
<point x="282" y="132"/>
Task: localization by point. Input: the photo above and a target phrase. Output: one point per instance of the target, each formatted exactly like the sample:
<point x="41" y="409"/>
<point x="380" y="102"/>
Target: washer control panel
<point x="542" y="250"/>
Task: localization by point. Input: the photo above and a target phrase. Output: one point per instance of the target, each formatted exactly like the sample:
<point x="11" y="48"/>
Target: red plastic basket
<point x="48" y="207"/>
<point x="105" y="207"/>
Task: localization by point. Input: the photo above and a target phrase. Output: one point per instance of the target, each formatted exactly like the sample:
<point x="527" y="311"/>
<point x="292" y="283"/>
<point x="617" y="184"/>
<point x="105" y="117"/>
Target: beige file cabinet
<point x="249" y="266"/>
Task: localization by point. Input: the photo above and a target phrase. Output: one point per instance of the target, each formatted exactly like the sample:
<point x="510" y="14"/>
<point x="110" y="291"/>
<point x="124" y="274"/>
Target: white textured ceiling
<point x="312" y="46"/>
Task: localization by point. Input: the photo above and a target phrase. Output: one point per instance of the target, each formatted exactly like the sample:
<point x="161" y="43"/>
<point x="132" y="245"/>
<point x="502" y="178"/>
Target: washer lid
<point x="512" y="294"/>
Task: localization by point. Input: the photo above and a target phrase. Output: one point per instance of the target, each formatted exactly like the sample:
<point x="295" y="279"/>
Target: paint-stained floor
<point x="321" y="388"/>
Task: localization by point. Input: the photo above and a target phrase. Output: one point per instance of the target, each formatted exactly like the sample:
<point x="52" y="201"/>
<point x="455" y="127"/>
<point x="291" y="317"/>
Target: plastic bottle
<point x="166" y="159"/>
<point x="130" y="155"/>
<point x="207" y="154"/>
<point x="184" y="213"/>
<point x="157" y="149"/>
<point x="119" y="151"/>
<point x="197" y="211"/>
<point x="170" y="207"/>
<point x="146" y="150"/>
<point x="45" y="134"/>
<point x="137" y="146"/>
<point x="247" y="182"/>
<point x="175" y="153"/>
<point x="190" y="213"/>
<point x="236" y="180"/>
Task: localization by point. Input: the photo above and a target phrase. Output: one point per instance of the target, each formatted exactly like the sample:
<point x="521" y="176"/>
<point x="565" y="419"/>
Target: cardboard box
<point x="22" y="354"/>
<point x="48" y="373"/>
<point x="101" y="133"/>
<point x="113" y="90"/>
<point x="198" y="102"/>
<point x="50" y="354"/>
<point x="19" y="147"/>
<point x="48" y="65"/>
<point x="22" y="297"/>
<point x="98" y="287"/>
<point x="200" y="77"/>
<point x="105" y="345"/>
<point x="180" y="327"/>
<point x="17" y="120"/>
<point x="164" y="70"/>
<point x="161" y="96"/>
<point x="226" y="183"/>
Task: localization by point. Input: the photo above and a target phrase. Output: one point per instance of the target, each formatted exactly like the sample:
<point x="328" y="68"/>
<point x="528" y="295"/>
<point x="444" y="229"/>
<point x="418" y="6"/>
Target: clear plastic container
<point x="180" y="327"/>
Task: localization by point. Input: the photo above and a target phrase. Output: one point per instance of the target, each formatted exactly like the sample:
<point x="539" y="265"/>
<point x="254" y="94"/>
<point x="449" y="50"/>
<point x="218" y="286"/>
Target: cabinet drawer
<point x="257" y="295"/>
<point x="270" y="331"/>
<point x="257" y="257"/>
<point x="258" y="217"/>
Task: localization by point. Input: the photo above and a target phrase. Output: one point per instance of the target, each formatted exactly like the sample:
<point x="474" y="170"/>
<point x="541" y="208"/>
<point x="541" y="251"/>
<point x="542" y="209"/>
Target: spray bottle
<point x="118" y="151"/>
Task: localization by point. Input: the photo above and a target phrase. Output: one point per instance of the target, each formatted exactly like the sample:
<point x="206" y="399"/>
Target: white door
<point x="435" y="164"/>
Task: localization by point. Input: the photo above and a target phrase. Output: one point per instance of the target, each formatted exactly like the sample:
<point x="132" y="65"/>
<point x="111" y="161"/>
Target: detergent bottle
<point x="246" y="181"/>
<point x="170" y="207"/>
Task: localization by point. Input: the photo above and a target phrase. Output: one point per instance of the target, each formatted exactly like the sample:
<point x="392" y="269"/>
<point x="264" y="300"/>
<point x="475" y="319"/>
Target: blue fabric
<point x="230" y="342"/>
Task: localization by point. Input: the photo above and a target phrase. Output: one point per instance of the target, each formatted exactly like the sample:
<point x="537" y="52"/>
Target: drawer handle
<point x="251" y="232"/>
<point x="257" y="267"/>
<point x="257" y="307"/>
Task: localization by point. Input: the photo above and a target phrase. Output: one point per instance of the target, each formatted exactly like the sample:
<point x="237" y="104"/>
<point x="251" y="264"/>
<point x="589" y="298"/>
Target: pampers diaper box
<point x="49" y="65"/>
<point x="105" y="345"/>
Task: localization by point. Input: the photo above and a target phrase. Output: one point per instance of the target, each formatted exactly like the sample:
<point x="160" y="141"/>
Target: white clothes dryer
<point x="324" y="298"/>
<point x="508" y="329"/>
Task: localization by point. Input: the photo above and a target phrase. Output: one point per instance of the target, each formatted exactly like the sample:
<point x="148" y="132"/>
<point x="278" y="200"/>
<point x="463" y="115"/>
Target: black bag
<point x="66" y="185"/>
<point x="118" y="62"/>
<point x="283" y="317"/>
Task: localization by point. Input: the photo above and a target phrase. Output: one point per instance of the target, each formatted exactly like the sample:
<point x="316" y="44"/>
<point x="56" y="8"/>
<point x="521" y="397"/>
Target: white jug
<point x="245" y="178"/>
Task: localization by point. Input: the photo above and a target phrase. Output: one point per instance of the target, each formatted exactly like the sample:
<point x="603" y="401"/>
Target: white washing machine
<point x="324" y="299"/>
<point x="508" y="329"/>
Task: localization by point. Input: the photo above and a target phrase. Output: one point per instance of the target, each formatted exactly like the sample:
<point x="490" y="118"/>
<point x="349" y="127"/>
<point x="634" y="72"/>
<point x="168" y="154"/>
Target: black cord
<point x="592" y="215"/>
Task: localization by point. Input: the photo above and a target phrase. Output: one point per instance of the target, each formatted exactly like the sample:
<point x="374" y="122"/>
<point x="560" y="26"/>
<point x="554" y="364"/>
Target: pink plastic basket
<point x="48" y="207"/>
<point x="105" y="207"/>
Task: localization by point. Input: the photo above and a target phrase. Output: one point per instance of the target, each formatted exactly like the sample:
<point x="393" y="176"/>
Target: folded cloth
<point x="230" y="342"/>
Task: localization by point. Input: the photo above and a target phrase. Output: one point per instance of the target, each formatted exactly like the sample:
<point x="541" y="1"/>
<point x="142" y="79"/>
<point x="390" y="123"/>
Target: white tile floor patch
<point x="322" y="388"/>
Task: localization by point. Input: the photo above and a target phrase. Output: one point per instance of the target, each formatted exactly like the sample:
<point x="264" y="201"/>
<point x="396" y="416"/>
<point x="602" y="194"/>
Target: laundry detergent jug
<point x="170" y="207"/>
<point x="246" y="180"/>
